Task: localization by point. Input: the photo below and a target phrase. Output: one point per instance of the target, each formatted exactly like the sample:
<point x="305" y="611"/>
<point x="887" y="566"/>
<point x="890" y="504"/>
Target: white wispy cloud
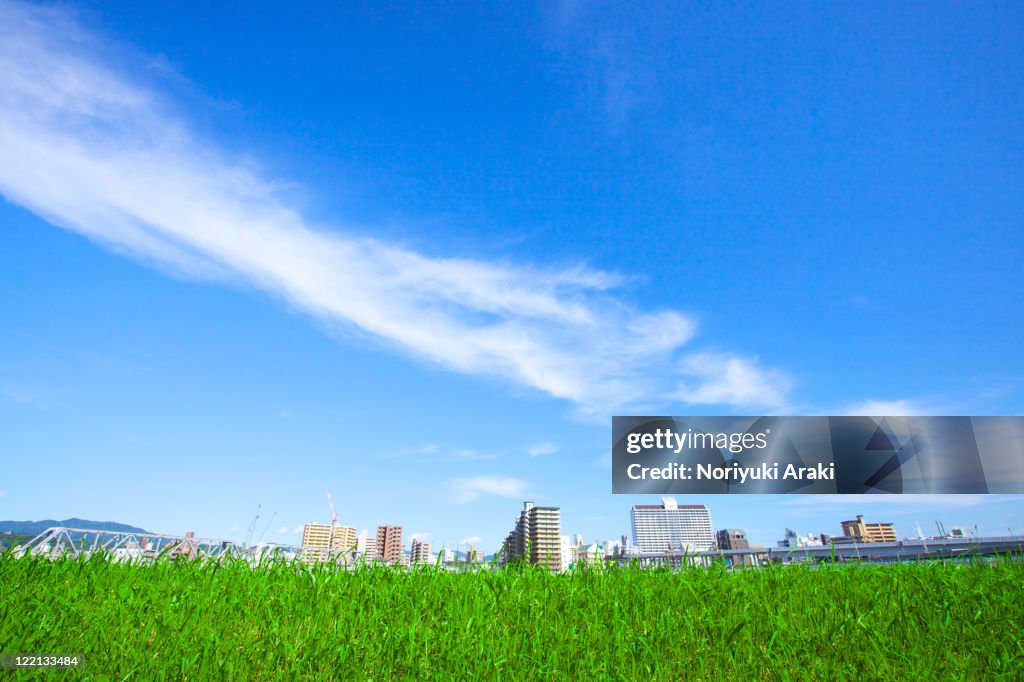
<point x="420" y="536"/>
<point x="542" y="449"/>
<point x="890" y="408"/>
<point x="433" y="454"/>
<point x="469" y="489"/>
<point x="614" y="61"/>
<point x="471" y="540"/>
<point x="297" y="530"/>
<point x="467" y="454"/>
<point x="28" y="395"/>
<point x="891" y="500"/>
<point x="94" y="149"/>
<point x="3" y="494"/>
<point x="282" y="530"/>
<point x="816" y="505"/>
<point x="725" y="379"/>
<point x="420" y="451"/>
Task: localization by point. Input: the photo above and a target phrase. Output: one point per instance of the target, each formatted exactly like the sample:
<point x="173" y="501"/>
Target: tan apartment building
<point x="344" y="538"/>
<point x="317" y="537"/>
<point x="869" y="532"/>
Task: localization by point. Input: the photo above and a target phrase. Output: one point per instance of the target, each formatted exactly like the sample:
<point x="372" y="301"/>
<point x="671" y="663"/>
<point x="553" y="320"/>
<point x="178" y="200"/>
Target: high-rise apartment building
<point x="536" y="537"/>
<point x="389" y="544"/>
<point x="318" y="536"/>
<point x="420" y="552"/>
<point x="869" y="532"/>
<point x="344" y="538"/>
<point x="672" y="527"/>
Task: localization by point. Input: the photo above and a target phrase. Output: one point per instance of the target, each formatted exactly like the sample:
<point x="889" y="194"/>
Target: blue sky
<point x="420" y="256"/>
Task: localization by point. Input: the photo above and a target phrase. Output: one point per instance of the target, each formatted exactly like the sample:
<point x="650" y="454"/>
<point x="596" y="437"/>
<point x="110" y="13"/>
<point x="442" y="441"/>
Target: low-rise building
<point x="863" y="531"/>
<point x="791" y="540"/>
<point x="732" y="538"/>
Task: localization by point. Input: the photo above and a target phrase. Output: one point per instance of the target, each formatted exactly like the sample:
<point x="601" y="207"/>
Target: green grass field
<point x="195" y="621"/>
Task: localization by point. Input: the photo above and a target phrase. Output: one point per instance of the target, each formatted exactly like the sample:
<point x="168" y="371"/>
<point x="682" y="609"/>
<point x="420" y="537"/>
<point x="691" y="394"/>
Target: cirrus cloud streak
<point x="96" y="150"/>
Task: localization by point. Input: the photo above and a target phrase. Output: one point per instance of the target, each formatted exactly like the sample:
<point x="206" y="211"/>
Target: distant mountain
<point x="34" y="528"/>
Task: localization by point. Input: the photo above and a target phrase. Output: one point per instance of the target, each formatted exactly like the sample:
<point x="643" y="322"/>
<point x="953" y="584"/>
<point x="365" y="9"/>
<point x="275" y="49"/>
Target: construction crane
<point x="252" y="527"/>
<point x="334" y="519"/>
<point x="334" y="514"/>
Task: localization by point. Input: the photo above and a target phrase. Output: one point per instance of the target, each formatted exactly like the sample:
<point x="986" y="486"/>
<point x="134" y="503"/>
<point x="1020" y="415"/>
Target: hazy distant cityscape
<point x="665" y="534"/>
<point x="537" y="538"/>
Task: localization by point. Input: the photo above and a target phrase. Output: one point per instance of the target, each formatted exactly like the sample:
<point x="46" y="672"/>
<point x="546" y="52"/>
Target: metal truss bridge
<point x="62" y="542"/>
<point x="76" y="542"/>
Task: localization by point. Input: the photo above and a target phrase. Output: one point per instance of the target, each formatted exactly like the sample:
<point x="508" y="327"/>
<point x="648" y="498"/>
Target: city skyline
<point x="335" y="536"/>
<point x="421" y="258"/>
